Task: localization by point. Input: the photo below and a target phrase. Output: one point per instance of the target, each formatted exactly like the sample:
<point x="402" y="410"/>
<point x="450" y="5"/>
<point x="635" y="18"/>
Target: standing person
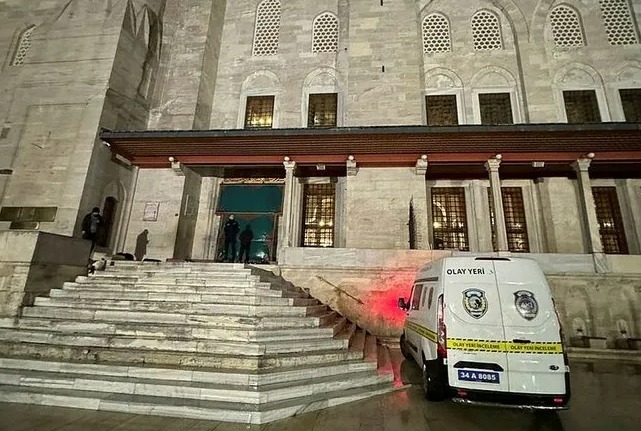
<point x="91" y="225"/>
<point x="246" y="237"/>
<point x="231" y="231"/>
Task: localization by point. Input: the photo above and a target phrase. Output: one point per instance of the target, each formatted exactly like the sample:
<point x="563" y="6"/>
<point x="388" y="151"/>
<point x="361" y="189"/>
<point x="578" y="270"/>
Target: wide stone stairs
<point x="196" y="340"/>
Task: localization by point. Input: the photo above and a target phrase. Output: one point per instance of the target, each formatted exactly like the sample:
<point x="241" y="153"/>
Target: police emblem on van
<point x="475" y="302"/>
<point x="526" y="304"/>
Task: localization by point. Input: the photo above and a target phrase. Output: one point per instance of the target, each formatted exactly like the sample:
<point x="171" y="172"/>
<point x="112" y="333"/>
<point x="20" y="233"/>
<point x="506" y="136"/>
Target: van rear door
<point x="536" y="363"/>
<point x="474" y="326"/>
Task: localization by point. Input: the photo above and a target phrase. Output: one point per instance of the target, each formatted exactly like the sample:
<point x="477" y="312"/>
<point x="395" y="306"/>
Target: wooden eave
<point x="612" y="143"/>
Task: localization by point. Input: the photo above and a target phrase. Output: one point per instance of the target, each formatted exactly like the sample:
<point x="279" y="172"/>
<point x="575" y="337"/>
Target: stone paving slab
<point x="605" y="397"/>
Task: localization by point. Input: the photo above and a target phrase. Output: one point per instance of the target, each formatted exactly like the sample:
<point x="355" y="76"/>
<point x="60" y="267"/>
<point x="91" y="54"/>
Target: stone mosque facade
<point x="348" y="134"/>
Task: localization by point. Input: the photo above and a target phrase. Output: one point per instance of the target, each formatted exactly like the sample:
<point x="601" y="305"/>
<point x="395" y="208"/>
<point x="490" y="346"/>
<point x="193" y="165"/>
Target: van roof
<point x="472" y="258"/>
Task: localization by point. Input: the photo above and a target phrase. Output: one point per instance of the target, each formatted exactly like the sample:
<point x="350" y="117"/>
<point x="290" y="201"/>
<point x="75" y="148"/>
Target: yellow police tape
<point x="475" y="345"/>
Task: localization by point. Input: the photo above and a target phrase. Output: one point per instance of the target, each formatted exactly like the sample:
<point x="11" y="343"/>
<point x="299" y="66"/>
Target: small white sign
<point x="151" y="211"/>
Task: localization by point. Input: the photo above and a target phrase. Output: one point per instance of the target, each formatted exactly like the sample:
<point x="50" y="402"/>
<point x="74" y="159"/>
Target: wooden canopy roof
<point x="614" y="144"/>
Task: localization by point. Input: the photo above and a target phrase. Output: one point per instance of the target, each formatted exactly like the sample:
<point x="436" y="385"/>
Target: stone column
<point x="492" y="166"/>
<point x="588" y="210"/>
<point x="420" y="204"/>
<point x="286" y="221"/>
<point x="121" y="241"/>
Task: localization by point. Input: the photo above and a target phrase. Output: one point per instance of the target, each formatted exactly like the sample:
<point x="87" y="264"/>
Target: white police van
<point x="484" y="330"/>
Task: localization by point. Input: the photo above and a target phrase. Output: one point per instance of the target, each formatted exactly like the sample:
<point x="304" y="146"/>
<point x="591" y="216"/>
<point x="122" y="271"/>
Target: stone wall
<point x="165" y="188"/>
<point x="32" y="263"/>
<point x="52" y="115"/>
<point x="188" y="215"/>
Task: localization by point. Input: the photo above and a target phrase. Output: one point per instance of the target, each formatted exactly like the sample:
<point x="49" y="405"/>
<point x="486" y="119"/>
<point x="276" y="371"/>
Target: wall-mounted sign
<point x="151" y="211"/>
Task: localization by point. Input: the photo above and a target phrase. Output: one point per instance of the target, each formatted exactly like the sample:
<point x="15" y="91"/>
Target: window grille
<point x="608" y="215"/>
<point x="322" y="110"/>
<point x="436" y="34"/>
<point x="259" y="113"/>
<point x="325" y="36"/>
<point x="581" y="106"/>
<point x="23" y="47"/>
<point x="441" y="110"/>
<point x="318" y="210"/>
<point x="631" y="102"/>
<point x="496" y="108"/>
<point x="486" y="31"/>
<point x="566" y="27"/>
<point x="618" y="22"/>
<point x="449" y="218"/>
<point x="267" y="28"/>
<point x="515" y="223"/>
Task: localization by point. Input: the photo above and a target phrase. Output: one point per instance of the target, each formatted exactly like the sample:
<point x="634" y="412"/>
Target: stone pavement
<point x="606" y="396"/>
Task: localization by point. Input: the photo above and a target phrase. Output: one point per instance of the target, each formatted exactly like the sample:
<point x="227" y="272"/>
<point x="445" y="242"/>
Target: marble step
<point x="192" y="308"/>
<point x="168" y="266"/>
<point x="177" y="345"/>
<point x="162" y="277"/>
<point x="180" y="297"/>
<point x="158" y="330"/>
<point x="164" y="288"/>
<point x="207" y="391"/>
<point x="255" y="378"/>
<point x="252" y="322"/>
<point x="171" y="271"/>
<point x="188" y="408"/>
<point x="132" y="356"/>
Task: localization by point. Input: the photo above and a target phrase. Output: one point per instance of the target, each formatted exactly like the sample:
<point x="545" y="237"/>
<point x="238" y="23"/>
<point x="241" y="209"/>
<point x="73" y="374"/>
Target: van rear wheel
<point x="433" y="381"/>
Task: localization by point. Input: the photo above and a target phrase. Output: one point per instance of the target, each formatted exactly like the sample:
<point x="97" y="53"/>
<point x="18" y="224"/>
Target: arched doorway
<point x="109" y="211"/>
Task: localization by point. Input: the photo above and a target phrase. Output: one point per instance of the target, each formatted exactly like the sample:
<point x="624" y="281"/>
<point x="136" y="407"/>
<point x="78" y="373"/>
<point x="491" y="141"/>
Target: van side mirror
<point x="402" y="304"/>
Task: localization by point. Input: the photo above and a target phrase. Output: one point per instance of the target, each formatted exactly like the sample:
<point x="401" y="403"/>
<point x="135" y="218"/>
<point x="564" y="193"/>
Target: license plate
<point x="478" y="376"/>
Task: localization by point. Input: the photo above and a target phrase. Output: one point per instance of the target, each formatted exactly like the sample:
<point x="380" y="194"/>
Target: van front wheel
<point x="433" y="381"/>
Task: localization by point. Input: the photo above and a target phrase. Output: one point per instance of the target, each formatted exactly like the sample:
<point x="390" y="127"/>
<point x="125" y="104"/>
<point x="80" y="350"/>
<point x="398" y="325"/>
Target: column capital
<point x="582" y="164"/>
<point x="492" y="165"/>
<point x="421" y="165"/>
<point x="177" y="167"/>
<point x="289" y="164"/>
<point x="352" y="167"/>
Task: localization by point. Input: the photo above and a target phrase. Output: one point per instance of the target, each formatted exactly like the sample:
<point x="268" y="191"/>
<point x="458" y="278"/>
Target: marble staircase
<point x="208" y="341"/>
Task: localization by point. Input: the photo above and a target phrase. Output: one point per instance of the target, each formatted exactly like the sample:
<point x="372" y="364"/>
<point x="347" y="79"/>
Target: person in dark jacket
<point x="92" y="223"/>
<point x="231" y="230"/>
<point x="246" y="237"/>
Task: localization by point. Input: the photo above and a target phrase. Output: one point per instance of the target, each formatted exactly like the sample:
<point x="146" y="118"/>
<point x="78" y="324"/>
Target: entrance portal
<point x="255" y="204"/>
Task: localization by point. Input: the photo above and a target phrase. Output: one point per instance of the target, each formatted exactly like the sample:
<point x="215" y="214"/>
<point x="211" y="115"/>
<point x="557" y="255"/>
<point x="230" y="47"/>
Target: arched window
<point x="267" y="28"/>
<point x="618" y="22"/>
<point x="22" y="47"/>
<point x="436" y="34"/>
<point x="486" y="31"/>
<point x="325" y="37"/>
<point x="566" y="27"/>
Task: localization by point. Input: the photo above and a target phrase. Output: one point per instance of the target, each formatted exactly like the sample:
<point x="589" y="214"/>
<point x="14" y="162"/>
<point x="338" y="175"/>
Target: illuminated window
<point x="322" y="110"/>
<point x="581" y="107"/>
<point x="441" y="110"/>
<point x="515" y="224"/>
<point x="259" y="113"/>
<point x="449" y="218"/>
<point x="318" y="215"/>
<point x="608" y="215"/>
<point x="631" y="101"/>
<point x="496" y="108"/>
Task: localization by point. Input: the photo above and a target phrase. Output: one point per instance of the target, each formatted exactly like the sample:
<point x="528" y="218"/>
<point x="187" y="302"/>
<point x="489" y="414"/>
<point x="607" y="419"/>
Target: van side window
<point x="416" y="298"/>
<point x="429" y="300"/>
<point x="424" y="296"/>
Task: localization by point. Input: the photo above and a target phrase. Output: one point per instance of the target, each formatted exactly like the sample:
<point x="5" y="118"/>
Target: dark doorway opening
<point x="109" y="215"/>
